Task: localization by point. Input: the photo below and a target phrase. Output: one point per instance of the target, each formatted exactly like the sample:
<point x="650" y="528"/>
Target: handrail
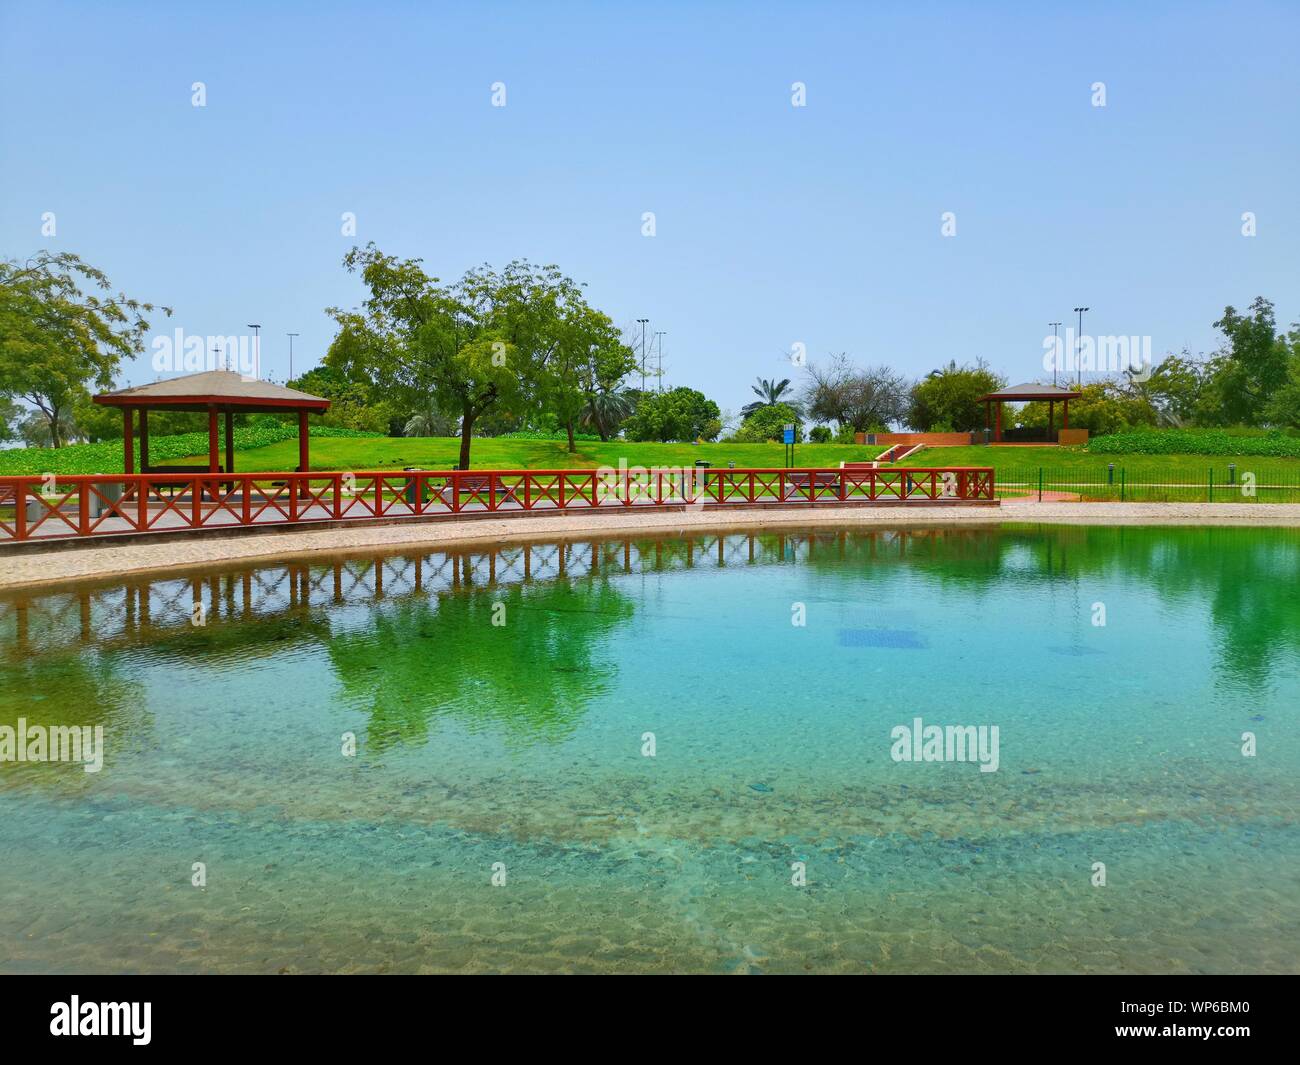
<point x="54" y="507"/>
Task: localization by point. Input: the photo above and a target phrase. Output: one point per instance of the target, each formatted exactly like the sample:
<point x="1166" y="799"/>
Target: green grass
<point x="441" y="453"/>
<point x="434" y="453"/>
<point x="1063" y="468"/>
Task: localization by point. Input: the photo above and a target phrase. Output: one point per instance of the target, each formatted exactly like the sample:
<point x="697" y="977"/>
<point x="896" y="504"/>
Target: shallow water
<point x="519" y="749"/>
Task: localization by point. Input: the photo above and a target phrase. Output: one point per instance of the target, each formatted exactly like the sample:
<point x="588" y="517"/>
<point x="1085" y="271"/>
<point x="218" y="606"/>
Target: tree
<point x="1246" y="371"/>
<point x="1173" y="388"/>
<point x="1104" y="407"/>
<point x="10" y="416"/>
<point x="57" y="340"/>
<point x="1284" y="406"/>
<point x="864" y="400"/>
<point x="679" y="414"/>
<point x="947" y="400"/>
<point x="607" y="409"/>
<point x="354" y="402"/>
<point x="588" y="358"/>
<point x="476" y="346"/>
<point x="768" y="392"/>
<point x="768" y="423"/>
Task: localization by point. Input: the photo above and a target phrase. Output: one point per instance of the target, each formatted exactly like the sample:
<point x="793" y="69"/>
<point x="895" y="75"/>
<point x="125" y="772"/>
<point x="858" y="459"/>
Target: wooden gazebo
<point x="1027" y="393"/>
<point x="218" y="392"/>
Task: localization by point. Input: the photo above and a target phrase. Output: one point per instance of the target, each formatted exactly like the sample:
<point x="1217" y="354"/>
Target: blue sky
<point x="775" y="224"/>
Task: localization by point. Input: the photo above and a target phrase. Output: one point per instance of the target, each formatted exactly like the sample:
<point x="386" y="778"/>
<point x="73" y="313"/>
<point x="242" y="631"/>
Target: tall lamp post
<point x="643" y="322"/>
<point x="659" y="337"/>
<point x="1056" y="350"/>
<point x="291" y="336"/>
<point x="1078" y="340"/>
<point x="257" y="349"/>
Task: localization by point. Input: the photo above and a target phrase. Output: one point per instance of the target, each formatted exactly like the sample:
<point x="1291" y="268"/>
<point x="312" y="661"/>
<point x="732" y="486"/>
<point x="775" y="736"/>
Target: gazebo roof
<point x="224" y="389"/>
<point x="1021" y="393"/>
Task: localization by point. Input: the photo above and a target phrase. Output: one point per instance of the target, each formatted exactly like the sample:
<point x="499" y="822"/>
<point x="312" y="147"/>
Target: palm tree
<point x="606" y="409"/>
<point x="769" y="393"/>
<point x="429" y="422"/>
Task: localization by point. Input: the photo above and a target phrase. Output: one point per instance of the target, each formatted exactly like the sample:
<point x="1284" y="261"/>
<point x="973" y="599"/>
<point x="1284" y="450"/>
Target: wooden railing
<point x="48" y="508"/>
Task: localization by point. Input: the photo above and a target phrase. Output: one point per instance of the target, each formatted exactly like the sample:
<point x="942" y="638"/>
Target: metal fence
<point x="1153" y="483"/>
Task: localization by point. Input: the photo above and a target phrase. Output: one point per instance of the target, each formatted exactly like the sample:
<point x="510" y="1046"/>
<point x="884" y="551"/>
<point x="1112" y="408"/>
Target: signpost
<point x="788" y="438"/>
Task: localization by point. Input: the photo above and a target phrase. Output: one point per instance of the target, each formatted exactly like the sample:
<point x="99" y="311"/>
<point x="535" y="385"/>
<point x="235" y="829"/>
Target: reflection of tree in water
<point x="533" y="676"/>
<point x="1245" y="579"/>
<point x="74" y="687"/>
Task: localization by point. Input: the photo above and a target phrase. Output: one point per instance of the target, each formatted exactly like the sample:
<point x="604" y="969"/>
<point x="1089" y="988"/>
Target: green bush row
<point x="1194" y="442"/>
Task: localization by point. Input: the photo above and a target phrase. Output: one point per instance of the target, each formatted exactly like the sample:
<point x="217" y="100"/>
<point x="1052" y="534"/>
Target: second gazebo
<point x="1028" y="393"/>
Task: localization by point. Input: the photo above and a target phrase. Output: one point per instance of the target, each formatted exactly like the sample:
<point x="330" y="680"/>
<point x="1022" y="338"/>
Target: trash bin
<point x="703" y="464"/>
<point x="102" y="496"/>
<point x="412" y="493"/>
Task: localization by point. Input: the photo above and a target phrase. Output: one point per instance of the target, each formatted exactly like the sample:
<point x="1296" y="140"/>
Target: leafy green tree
<point x="11" y="415"/>
<point x="58" y="337"/>
<point x="769" y="393"/>
<point x="1247" y="370"/>
<point x="1104" y="407"/>
<point x="473" y="347"/>
<point x="1173" y="388"/>
<point x="681" y="414"/>
<point x="1284" y="406"/>
<point x="947" y="400"/>
<point x="354" y="402"/>
<point x="588" y="358"/>
<point x="768" y="423"/>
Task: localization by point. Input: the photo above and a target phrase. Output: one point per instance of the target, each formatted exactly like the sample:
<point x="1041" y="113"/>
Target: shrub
<point x="1194" y="442"/>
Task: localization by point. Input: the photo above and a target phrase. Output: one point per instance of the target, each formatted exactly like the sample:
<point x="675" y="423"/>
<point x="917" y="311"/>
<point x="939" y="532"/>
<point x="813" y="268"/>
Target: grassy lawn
<point x="441" y="453"/>
<point x="438" y="453"/>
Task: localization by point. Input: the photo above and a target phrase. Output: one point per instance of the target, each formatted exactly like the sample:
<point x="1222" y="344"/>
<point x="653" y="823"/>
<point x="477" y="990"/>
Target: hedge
<point x="1194" y="442"/>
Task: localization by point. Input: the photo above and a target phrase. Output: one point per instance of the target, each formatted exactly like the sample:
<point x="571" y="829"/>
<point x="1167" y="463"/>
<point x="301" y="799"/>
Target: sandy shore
<point x="85" y="560"/>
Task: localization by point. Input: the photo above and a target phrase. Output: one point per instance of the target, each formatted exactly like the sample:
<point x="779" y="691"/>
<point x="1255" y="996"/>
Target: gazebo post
<point x="302" y="441"/>
<point x="214" y="456"/>
<point x="230" y="441"/>
<point x="1065" y="406"/>
<point x="144" y="440"/>
<point x="1051" y="418"/>
<point x="998" y="435"/>
<point x="128" y="445"/>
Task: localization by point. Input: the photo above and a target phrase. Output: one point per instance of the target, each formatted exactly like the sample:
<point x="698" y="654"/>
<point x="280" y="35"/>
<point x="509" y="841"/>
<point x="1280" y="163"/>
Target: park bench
<point x="481" y="485"/>
<point x="798" y="484"/>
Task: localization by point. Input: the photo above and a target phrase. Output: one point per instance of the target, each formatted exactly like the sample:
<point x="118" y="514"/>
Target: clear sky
<point x="775" y="224"/>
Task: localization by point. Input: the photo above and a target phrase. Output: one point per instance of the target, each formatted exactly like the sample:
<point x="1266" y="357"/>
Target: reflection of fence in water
<point x="144" y="608"/>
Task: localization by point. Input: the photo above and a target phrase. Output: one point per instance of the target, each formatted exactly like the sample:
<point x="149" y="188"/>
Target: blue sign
<point x="789" y="434"/>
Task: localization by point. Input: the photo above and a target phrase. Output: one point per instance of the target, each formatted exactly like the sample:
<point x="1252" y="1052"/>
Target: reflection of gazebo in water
<point x="1025" y="394"/>
<point x="218" y="392"/>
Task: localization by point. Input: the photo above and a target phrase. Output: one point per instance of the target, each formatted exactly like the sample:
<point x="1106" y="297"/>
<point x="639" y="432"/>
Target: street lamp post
<point x="291" y="336"/>
<point x="643" y="322"/>
<point x="1078" y="340"/>
<point x="257" y="349"/>
<point x="659" y="337"/>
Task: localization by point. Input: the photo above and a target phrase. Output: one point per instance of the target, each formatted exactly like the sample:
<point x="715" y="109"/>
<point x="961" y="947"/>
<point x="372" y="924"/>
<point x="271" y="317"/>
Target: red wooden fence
<point x="41" y="508"/>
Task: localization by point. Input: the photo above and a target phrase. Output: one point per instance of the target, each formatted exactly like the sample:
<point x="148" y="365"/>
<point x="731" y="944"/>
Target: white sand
<point x="88" y="559"/>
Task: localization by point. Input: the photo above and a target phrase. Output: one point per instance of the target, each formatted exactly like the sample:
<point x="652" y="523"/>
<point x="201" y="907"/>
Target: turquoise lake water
<point x="517" y="750"/>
